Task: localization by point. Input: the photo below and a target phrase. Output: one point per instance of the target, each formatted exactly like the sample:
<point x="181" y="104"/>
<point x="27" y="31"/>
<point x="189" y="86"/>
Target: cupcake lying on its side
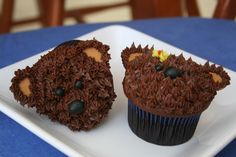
<point x="72" y="84"/>
<point x="167" y="94"/>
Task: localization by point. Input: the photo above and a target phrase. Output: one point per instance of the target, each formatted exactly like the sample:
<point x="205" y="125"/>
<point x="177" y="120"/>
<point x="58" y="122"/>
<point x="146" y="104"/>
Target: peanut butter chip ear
<point x="134" y="55"/>
<point x="216" y="78"/>
<point x="93" y="53"/>
<point x="24" y="86"/>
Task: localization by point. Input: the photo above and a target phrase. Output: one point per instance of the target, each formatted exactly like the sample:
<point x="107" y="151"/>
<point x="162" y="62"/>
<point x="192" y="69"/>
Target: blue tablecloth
<point x="214" y="40"/>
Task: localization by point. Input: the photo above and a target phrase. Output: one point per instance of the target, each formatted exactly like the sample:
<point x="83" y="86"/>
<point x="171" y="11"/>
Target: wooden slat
<point x="142" y="9"/>
<point x="6" y="16"/>
<point x="155" y="8"/>
<point x="192" y="8"/>
<point x="225" y="9"/>
<point x="53" y="12"/>
<point x="167" y="8"/>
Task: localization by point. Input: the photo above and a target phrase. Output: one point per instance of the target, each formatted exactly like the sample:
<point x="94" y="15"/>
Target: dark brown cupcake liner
<point x="161" y="130"/>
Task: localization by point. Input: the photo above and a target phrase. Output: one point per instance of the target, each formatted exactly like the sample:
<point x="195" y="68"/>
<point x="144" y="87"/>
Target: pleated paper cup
<point x="161" y="130"/>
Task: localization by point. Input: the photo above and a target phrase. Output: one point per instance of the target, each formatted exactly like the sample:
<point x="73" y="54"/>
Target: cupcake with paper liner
<point x="167" y="93"/>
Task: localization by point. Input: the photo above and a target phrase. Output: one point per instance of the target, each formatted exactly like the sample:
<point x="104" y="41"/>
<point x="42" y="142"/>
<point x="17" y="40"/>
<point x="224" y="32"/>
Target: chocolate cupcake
<point x="72" y="84"/>
<point x="167" y="93"/>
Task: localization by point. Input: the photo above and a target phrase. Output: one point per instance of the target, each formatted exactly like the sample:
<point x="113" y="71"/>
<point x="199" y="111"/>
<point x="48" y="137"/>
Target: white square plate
<point x="113" y="138"/>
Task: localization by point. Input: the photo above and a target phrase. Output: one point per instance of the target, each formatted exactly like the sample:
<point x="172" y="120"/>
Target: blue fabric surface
<point x="214" y="40"/>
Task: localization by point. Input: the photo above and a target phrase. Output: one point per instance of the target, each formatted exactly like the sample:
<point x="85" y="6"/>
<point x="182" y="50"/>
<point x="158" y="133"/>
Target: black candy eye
<point x="159" y="67"/>
<point x="59" y="91"/>
<point x="76" y="107"/>
<point x="173" y="72"/>
<point x="79" y="84"/>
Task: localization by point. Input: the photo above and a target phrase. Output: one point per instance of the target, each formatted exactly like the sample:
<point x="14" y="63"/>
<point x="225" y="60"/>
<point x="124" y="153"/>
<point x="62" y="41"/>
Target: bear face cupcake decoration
<point x="72" y="84"/>
<point x="167" y="93"/>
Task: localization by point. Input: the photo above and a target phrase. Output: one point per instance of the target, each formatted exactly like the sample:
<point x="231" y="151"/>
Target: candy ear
<point x="22" y="86"/>
<point x="128" y="55"/>
<point x="93" y="53"/>
<point x="96" y="50"/>
<point x="215" y="77"/>
<point x="219" y="77"/>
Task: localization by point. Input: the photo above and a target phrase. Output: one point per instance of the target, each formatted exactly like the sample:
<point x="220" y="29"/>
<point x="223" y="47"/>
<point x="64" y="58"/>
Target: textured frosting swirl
<point x="154" y="92"/>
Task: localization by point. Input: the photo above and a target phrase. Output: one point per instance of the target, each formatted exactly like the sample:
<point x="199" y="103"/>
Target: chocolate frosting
<point x="62" y="67"/>
<point x="154" y="92"/>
